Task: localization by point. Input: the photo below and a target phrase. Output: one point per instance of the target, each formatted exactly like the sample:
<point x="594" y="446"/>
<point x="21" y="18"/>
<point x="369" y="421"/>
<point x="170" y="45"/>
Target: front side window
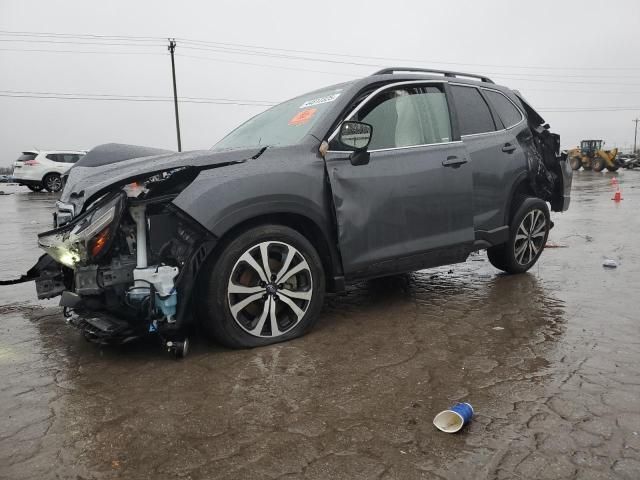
<point x="474" y="115"/>
<point x="405" y="117"/>
<point x="507" y="111"/>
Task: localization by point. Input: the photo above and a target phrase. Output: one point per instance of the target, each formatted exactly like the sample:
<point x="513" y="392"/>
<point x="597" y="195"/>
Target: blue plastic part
<point x="168" y="304"/>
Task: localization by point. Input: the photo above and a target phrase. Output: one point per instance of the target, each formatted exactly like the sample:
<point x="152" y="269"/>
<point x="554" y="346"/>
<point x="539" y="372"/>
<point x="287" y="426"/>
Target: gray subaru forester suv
<point x="403" y="170"/>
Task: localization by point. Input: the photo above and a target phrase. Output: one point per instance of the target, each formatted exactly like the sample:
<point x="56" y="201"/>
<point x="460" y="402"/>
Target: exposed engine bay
<point x="122" y="265"/>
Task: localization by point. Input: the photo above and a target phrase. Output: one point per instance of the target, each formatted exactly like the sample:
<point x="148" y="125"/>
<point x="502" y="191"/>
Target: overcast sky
<point x="562" y="55"/>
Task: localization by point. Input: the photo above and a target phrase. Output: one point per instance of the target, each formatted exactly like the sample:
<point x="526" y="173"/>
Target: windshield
<point x="284" y="124"/>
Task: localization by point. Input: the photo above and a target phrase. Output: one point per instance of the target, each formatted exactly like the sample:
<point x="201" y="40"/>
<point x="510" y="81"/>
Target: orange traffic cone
<point x="617" y="196"/>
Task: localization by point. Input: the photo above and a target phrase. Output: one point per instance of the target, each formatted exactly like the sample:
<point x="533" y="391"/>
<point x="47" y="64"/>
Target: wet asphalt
<point x="549" y="360"/>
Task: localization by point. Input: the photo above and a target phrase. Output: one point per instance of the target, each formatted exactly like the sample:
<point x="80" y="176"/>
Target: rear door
<point x="411" y="206"/>
<point x="63" y="161"/>
<point x="497" y="158"/>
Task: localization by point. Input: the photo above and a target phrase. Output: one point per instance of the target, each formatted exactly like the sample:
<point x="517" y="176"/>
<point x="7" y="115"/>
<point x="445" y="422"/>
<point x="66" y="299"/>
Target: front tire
<point x="52" y="182"/>
<point x="575" y="163"/>
<point x="528" y="235"/>
<point x="267" y="286"/>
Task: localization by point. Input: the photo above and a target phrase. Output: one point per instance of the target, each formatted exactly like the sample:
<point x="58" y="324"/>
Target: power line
<point x="76" y="42"/>
<point x="257" y="49"/>
<point x="508" y="76"/>
<point x="334" y="54"/>
<point x="162" y="97"/>
<point x="282" y="67"/>
<point x="79" y="35"/>
<point x="54" y="96"/>
<point x="106" y="52"/>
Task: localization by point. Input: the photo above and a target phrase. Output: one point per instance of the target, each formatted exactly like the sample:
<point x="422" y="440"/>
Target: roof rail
<point x="446" y="73"/>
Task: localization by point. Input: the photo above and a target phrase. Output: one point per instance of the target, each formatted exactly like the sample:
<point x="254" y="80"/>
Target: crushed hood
<point x="113" y="164"/>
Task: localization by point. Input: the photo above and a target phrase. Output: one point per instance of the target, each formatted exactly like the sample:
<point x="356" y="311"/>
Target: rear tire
<point x="52" y="182"/>
<point x="35" y="188"/>
<point x="528" y="233"/>
<point x="267" y="286"/>
<point x="614" y="168"/>
<point x="598" y="164"/>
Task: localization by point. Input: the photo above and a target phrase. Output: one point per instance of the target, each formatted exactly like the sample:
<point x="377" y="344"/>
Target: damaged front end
<point x="126" y="266"/>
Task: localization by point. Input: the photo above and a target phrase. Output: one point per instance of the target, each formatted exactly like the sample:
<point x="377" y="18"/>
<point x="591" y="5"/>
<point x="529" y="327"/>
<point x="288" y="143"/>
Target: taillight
<point x="31" y="162"/>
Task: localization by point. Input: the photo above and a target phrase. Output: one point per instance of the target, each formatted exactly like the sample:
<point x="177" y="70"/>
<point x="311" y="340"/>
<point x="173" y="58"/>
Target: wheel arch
<point x="49" y="172"/>
<point x="519" y="188"/>
<point x="302" y="223"/>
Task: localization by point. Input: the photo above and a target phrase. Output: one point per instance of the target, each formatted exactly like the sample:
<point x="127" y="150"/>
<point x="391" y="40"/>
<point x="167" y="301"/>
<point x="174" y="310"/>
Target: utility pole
<point x="635" y="137"/>
<point x="172" y="47"/>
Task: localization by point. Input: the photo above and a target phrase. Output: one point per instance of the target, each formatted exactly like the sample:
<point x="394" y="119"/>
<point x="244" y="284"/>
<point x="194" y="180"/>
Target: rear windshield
<point x="284" y="124"/>
<point x="26" y="156"/>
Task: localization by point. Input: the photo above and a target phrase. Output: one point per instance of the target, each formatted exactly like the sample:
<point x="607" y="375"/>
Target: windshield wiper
<point x="260" y="152"/>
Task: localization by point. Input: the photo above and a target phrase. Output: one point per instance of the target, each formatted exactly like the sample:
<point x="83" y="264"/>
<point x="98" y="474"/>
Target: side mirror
<point x="356" y="135"/>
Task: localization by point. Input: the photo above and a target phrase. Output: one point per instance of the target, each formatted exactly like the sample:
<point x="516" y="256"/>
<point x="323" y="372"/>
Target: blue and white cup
<point x="453" y="419"/>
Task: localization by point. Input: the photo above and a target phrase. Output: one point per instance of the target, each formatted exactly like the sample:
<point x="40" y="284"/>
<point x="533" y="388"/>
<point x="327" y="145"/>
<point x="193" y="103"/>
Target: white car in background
<point x="39" y="169"/>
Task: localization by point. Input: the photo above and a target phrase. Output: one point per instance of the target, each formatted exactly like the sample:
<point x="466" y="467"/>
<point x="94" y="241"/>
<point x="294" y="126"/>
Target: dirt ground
<point x="549" y="360"/>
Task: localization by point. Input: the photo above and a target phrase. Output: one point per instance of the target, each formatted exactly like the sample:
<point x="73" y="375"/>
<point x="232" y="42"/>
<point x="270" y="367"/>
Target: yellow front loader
<point x="591" y="156"/>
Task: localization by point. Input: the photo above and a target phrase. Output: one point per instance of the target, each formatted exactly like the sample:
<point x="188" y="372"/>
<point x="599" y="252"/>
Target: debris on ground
<point x="608" y="263"/>
<point x="497" y="328"/>
<point x="453" y="419"/>
<point x="555" y="245"/>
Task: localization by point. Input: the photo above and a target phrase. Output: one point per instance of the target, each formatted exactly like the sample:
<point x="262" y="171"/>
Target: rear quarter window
<point x="474" y="115"/>
<point x="507" y="111"/>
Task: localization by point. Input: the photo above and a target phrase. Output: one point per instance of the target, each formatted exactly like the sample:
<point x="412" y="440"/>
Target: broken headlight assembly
<point x="88" y="237"/>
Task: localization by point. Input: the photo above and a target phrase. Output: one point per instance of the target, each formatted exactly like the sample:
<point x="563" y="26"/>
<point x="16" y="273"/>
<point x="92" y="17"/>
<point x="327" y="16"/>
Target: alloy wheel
<point x="269" y="289"/>
<point x="530" y="237"/>
<point x="53" y="183"/>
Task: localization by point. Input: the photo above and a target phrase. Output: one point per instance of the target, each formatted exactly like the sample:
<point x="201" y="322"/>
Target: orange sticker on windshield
<point x="303" y="117"/>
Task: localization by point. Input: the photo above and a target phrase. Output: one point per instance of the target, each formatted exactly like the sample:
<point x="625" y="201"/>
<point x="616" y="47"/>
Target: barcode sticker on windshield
<point x="319" y="101"/>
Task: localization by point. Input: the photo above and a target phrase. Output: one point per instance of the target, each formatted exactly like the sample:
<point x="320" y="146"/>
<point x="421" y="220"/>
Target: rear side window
<point x="474" y="115"/>
<point x="405" y="117"/>
<point x="507" y="112"/>
<point x="68" y="157"/>
<point x="64" y="157"/>
<point x="26" y="156"/>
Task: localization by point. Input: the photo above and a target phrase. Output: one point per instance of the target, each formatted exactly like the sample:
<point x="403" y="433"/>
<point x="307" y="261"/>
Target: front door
<point x="411" y="206"/>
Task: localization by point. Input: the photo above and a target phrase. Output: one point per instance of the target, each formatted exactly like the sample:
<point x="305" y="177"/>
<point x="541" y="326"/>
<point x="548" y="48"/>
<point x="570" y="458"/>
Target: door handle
<point x="508" y="148"/>
<point x="453" y="161"/>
